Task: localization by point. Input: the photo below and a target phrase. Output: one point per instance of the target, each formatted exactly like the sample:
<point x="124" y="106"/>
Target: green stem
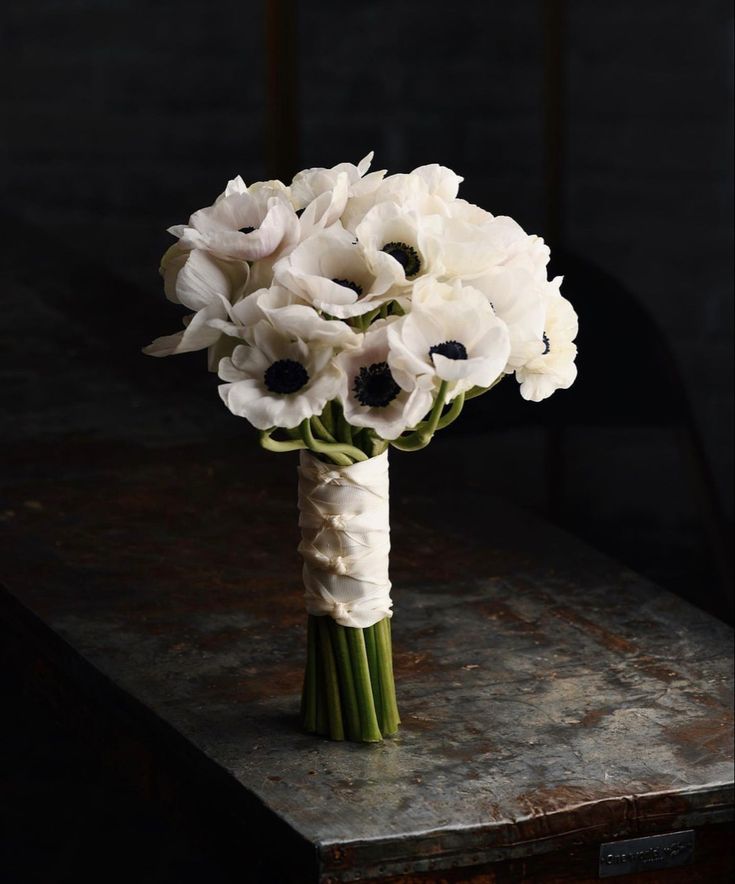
<point x="370" y="731"/>
<point x="331" y="683"/>
<point x="431" y="425"/>
<point x="322" y="722"/>
<point x="372" y="655"/>
<point x="391" y="718"/>
<point x="344" y="429"/>
<point x="367" y="318"/>
<point x="373" y="443"/>
<point x="347" y="684"/>
<point x="329" y="448"/>
<point x="328" y="418"/>
<point x="310" y="690"/>
<point x="474" y="392"/>
<point x="454" y="411"/>
<point x="421" y="437"/>
<point x="321" y="431"/>
<point x="275" y="445"/>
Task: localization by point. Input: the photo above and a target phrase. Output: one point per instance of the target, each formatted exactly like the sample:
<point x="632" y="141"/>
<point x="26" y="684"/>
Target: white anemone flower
<point x="309" y="184"/>
<point x="474" y="241"/>
<point x="320" y="195"/>
<point x="469" y="212"/>
<point x="330" y="271"/>
<point x="289" y="315"/>
<point x="516" y="293"/>
<point x="244" y="315"/>
<point x="244" y="225"/>
<point x="419" y="186"/>
<point x="399" y="243"/>
<point x="553" y="368"/>
<point x="235" y="185"/>
<point x="372" y="397"/>
<point x="427" y="189"/>
<point x="195" y="277"/>
<point x="278" y="381"/>
<point x="206" y="285"/>
<point x="451" y="334"/>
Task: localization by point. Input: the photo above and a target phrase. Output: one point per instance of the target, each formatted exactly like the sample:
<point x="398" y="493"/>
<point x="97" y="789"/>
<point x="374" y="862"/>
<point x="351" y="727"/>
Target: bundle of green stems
<point x="349" y="690"/>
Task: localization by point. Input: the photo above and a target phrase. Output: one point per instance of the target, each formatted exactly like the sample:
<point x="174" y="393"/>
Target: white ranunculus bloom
<point x="554" y="368"/>
<point x="331" y="272"/>
<point x="399" y="243"/>
<point x="278" y="381"/>
<point x="243" y="225"/>
<point x="372" y="397"/>
<point x="451" y="334"/>
<point x="204" y="284"/>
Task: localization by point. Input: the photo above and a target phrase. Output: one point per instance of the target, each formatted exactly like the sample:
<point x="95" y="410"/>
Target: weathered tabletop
<point x="549" y="697"/>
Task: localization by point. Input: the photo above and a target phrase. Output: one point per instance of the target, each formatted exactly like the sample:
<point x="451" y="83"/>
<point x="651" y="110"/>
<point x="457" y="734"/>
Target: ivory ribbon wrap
<point x="345" y="539"/>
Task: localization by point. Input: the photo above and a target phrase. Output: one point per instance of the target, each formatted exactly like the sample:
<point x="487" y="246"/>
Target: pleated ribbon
<point x="345" y="539"/>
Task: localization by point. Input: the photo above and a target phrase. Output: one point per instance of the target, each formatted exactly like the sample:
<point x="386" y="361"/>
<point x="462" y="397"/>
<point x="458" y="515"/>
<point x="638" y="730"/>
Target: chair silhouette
<point x="631" y="381"/>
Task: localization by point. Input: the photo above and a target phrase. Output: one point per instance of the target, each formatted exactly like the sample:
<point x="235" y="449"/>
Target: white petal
<point x="165" y="345"/>
<point x="196" y="336"/>
<point x="364" y="163"/>
<point x="439" y="180"/>
<point x="203" y="278"/>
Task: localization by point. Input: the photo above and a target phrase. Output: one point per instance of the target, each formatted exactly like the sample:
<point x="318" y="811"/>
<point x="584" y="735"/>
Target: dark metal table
<point x="551" y="700"/>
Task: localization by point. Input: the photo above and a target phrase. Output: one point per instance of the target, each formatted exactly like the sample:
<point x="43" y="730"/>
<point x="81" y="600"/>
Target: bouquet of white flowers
<point x="348" y="312"/>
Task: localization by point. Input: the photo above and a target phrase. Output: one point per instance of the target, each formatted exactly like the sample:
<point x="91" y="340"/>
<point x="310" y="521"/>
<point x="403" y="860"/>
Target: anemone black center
<point x="349" y="284"/>
<point x="285" y="376"/>
<point x="406" y="255"/>
<point x="247" y="229"/>
<point x="375" y="385"/>
<point x="450" y="349"/>
<point x="547" y="344"/>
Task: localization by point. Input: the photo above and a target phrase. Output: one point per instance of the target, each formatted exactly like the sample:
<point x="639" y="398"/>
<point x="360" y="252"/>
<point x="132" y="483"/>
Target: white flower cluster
<point x="384" y="293"/>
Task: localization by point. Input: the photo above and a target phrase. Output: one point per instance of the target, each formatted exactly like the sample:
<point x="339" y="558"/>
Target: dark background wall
<point x="605" y="126"/>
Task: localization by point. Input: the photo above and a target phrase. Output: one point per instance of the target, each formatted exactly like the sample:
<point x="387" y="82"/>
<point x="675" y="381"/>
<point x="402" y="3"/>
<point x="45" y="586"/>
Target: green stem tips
<point x="349" y="692"/>
<point x="331" y="436"/>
